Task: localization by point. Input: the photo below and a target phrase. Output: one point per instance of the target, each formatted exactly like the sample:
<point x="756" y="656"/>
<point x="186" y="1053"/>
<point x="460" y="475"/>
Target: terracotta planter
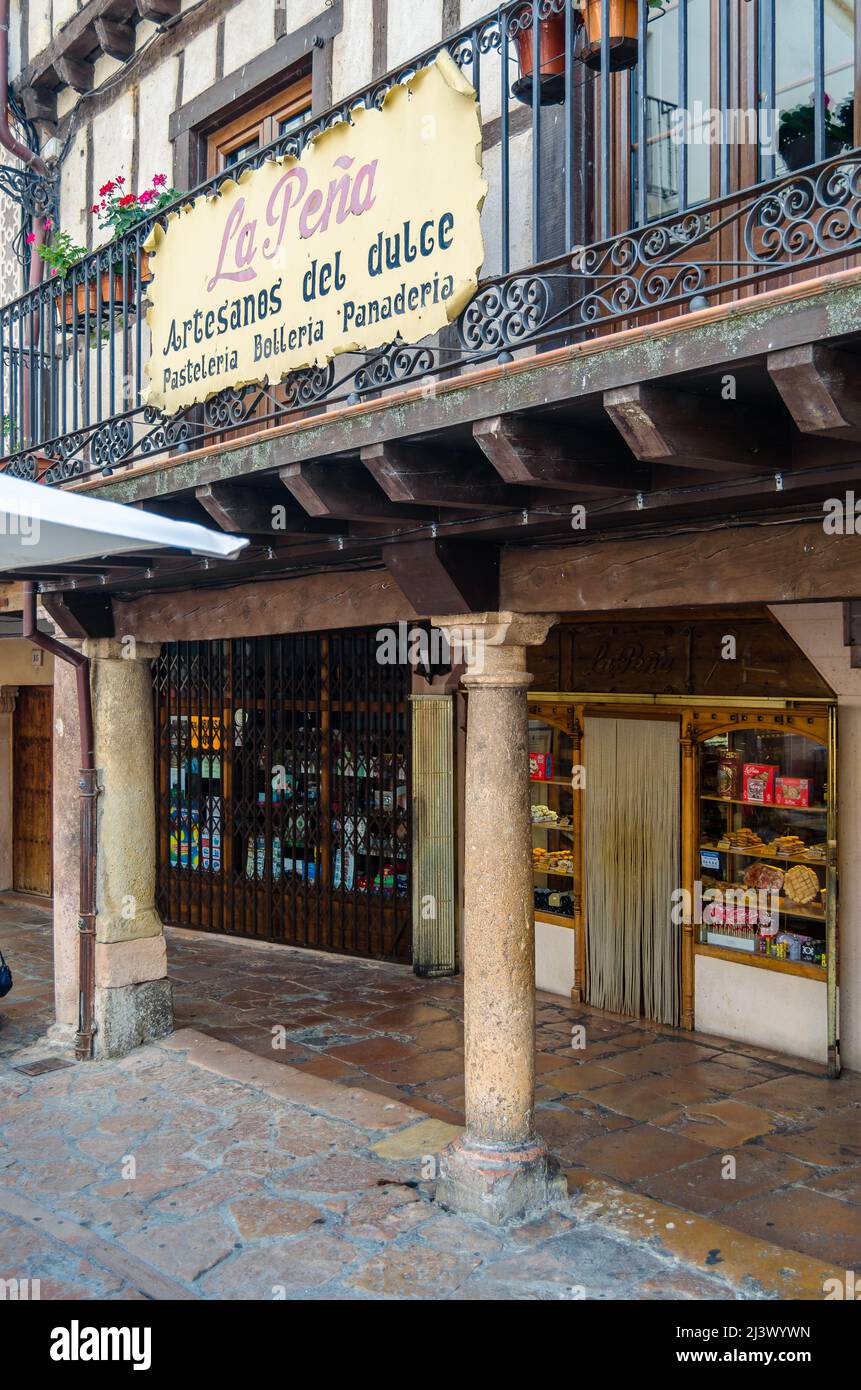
<point x="624" y="31"/>
<point x="551" y="59"/>
<point x="96" y="297"/>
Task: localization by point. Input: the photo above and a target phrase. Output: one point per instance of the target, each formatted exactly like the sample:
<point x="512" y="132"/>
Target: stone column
<point x="499" y="1169"/>
<point x="67" y="844"/>
<point x="133" y="997"/>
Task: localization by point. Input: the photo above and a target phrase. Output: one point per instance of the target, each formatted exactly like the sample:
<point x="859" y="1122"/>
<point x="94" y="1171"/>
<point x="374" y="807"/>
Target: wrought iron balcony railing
<point x="588" y="226"/>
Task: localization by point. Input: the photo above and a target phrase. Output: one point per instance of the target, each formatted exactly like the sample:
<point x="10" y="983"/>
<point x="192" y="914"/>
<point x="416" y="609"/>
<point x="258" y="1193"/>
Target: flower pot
<point x="801" y="151"/>
<point x="624" y="29"/>
<point x="551" y="60"/>
<point x="97" y="297"/>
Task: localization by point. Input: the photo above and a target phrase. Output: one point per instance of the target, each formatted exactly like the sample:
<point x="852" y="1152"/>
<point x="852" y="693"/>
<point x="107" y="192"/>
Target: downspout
<point x="88" y="790"/>
<point x="15" y="147"/>
<point x="38" y="166"/>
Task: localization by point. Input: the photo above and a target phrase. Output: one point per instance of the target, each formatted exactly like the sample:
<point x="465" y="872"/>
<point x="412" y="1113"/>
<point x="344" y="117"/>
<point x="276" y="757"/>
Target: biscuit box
<point x="758" y="782"/>
<point x="540" y="766"/>
<point x="792" y="791"/>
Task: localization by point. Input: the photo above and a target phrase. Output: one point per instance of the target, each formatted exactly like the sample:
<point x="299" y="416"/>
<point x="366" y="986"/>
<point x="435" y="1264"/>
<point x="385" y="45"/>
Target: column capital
<point x="8" y="696"/>
<point x="117" y="649"/>
<point x="492" y="646"/>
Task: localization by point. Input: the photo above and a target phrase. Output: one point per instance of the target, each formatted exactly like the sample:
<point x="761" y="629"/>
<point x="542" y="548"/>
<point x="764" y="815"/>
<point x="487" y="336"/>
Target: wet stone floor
<point x="238" y="1193"/>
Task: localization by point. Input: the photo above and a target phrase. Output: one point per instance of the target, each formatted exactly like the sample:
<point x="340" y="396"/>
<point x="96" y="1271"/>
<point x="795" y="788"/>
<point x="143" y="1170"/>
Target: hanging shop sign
<point x="372" y="235"/>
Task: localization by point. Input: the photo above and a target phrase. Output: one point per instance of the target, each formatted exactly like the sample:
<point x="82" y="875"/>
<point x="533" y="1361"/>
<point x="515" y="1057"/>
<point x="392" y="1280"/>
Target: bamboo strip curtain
<point x="632" y="833"/>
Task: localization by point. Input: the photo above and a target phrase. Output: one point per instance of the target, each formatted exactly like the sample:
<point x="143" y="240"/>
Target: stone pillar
<point x="67" y="844"/>
<point x="499" y="1169"/>
<point x="133" y="998"/>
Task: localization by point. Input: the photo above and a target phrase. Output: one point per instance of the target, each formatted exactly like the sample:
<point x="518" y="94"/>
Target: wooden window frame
<point x="261" y="122"/>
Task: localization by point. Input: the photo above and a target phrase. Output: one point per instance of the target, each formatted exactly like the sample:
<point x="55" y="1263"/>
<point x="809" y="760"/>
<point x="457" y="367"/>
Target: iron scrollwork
<point x="165" y="432"/>
<point x="111" y="444"/>
<point x="396" y="363"/>
<point x="505" y="314"/>
<point x="814" y="214"/>
<point x="24" y="466"/>
<point x="68" y="456"/>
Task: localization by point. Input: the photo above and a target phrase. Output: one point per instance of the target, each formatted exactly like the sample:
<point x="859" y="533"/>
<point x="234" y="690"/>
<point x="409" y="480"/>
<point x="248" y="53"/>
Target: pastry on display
<point x="766" y="878"/>
<point x="801" y="884"/>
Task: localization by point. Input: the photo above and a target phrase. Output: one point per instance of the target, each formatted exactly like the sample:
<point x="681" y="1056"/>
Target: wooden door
<point x="31" y="790"/>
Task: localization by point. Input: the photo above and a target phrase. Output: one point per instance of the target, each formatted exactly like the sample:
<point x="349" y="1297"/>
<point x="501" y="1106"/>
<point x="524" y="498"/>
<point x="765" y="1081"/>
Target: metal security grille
<point x="283" y="768"/>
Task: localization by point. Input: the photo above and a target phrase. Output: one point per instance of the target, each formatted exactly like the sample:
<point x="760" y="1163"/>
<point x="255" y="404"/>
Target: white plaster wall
<point x="520" y="200"/>
<point x="818" y="630"/>
<point x="199" y="64"/>
<point x="784" y="1013"/>
<point x="16" y="664"/>
<point x="157" y="100"/>
<point x="39" y="34"/>
<point x="113" y="140"/>
<point x="411" y="28"/>
<point x="249" y="28"/>
<point x="73" y="190"/>
<point x="353" y="50"/>
<point x="61" y="11"/>
<point x="554" y="958"/>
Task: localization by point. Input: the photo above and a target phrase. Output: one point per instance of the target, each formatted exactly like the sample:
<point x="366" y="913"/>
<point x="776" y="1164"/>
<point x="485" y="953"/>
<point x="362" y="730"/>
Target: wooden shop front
<point x="683" y="786"/>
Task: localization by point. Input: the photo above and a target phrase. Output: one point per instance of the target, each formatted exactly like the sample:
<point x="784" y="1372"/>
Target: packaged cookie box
<point x="792" y="791"/>
<point x="540" y="767"/>
<point x="758" y="782"/>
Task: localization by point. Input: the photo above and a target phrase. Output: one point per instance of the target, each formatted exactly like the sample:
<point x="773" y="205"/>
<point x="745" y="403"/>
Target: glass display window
<point x="552" y="794"/>
<point x="763" y="846"/>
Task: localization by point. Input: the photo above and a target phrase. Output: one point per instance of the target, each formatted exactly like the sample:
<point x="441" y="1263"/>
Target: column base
<point x="500" y="1186"/>
<point x="130" y="1016"/>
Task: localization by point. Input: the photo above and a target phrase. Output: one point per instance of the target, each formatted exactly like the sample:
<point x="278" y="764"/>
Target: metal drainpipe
<point x="88" y="792"/>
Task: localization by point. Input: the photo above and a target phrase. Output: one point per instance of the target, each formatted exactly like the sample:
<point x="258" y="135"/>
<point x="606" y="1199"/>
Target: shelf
<point x="551" y="782"/>
<point x="552" y="825"/>
<point x="764" y="854"/>
<point x="766" y="805"/>
<point x="555" y="919"/>
<point x="786" y="967"/>
<point x="558" y="873"/>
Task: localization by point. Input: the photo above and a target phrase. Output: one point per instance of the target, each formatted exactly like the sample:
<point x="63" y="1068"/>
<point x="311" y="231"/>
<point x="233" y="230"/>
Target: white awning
<point x="51" y="526"/>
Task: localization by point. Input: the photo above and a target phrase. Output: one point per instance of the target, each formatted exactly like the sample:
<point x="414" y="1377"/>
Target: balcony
<point x="671" y="158"/>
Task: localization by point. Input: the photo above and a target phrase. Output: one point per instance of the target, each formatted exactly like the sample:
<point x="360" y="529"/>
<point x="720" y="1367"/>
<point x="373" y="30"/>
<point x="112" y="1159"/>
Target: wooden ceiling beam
<point x="662" y="426"/>
<point x="437" y="477"/>
<point x="116" y="40"/>
<point x="158" y="10"/>
<point x="821" y="389"/>
<point x="74" y="73"/>
<point x="346" y="492"/>
<point x="447" y="576"/>
<point x="81" y="614"/>
<point x="545" y="456"/>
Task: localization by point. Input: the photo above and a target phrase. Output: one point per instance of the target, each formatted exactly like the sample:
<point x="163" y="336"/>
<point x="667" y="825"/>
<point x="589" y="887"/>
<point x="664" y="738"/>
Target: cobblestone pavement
<point x="239" y="1176"/>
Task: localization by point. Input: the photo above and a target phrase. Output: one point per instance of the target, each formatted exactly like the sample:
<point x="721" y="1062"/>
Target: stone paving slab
<point x="262" y="1151"/>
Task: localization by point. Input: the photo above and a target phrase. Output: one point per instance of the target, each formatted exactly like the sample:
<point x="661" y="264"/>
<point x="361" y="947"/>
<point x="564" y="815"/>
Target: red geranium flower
<point x="147" y="196"/>
<point x="159" y="179"/>
<point x="120" y="179"/>
<point x="128" y="200"/>
<point x="106" y="188"/>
